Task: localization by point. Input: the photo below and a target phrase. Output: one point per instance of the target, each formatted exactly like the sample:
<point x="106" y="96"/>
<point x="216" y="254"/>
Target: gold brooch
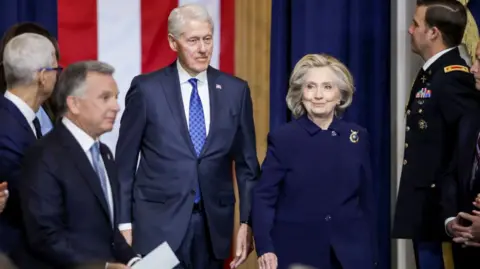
<point x="354" y="136"/>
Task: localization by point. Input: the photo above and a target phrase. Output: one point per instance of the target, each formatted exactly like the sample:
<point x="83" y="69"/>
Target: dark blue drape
<point x="43" y="12"/>
<point x="358" y="34"/>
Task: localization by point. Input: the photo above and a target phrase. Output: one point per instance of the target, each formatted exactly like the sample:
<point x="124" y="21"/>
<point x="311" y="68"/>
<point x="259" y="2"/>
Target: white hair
<point x="24" y="56"/>
<point x="182" y="14"/>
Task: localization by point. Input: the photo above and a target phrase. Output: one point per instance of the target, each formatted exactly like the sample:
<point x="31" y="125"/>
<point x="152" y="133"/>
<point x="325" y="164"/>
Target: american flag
<point x="131" y="35"/>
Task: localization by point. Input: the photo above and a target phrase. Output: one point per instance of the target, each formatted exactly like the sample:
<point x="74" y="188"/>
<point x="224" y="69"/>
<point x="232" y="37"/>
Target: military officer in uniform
<point x="442" y="93"/>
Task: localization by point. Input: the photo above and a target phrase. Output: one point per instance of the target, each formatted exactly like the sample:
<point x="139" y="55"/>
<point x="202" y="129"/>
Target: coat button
<point x="433" y="186"/>
<point x="420" y="111"/>
<point x="406" y="145"/>
<point x="328" y="218"/>
<point x="407" y="128"/>
<point x="405" y="162"/>
<point x="408" y="112"/>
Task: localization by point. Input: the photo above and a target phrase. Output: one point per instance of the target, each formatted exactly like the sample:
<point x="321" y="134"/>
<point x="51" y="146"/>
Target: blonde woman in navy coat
<point x="314" y="203"/>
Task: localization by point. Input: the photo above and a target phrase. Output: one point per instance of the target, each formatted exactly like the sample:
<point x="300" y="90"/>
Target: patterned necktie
<point x="99" y="168"/>
<point x="38" y="128"/>
<point x="196" y="126"/>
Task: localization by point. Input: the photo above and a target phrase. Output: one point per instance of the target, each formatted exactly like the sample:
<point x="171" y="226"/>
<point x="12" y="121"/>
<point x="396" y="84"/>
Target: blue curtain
<point x="43" y="12"/>
<point x="358" y="34"/>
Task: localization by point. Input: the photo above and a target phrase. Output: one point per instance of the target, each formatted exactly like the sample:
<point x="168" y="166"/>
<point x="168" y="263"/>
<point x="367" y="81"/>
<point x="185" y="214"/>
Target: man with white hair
<point x="31" y="69"/>
<point x="190" y="122"/>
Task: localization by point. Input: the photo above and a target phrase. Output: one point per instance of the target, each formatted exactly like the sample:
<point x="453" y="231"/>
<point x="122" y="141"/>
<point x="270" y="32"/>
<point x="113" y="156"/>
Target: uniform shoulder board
<point x="451" y="68"/>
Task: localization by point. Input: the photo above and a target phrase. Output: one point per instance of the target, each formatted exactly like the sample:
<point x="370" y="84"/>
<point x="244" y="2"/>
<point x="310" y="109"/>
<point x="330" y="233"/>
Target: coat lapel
<point x="112" y="177"/>
<point x="214" y="91"/>
<point x="84" y="166"/>
<point x="173" y="94"/>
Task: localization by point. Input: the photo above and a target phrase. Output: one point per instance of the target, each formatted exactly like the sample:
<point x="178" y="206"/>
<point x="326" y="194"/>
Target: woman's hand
<point x="268" y="261"/>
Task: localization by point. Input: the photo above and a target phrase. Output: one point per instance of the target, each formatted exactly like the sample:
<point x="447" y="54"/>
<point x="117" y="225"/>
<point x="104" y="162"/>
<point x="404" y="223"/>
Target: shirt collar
<point x="25" y="109"/>
<point x="435" y="57"/>
<point x="184" y="76"/>
<point x="85" y="140"/>
<point x="312" y="128"/>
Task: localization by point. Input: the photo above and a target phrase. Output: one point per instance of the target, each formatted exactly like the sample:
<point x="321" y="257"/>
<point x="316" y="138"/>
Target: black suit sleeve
<point x="43" y="212"/>
<point x="246" y="162"/>
<point x="128" y="146"/>
<point x="458" y="96"/>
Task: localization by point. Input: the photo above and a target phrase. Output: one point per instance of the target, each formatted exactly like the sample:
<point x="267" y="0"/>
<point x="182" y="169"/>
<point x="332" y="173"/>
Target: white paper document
<point x="162" y="257"/>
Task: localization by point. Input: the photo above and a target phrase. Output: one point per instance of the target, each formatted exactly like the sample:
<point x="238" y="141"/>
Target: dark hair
<point x="16" y="30"/>
<point x="72" y="80"/>
<point x="448" y="16"/>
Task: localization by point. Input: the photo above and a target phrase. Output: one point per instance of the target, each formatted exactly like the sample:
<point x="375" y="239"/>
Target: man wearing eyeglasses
<point x="30" y="68"/>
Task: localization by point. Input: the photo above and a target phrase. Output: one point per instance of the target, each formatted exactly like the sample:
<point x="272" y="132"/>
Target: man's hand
<point x="268" y="261"/>
<point x="476" y="202"/>
<point x="456" y="230"/>
<point x="127" y="234"/>
<point x="3" y="195"/>
<point x="116" y="266"/>
<point x="244" y="245"/>
<point x="473" y="231"/>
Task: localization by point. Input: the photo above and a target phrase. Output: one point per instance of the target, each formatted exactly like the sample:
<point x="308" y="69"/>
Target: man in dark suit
<point x="47" y="111"/>
<point x="29" y="63"/>
<point x="462" y="185"/>
<point x="442" y="93"/>
<point x="189" y="122"/>
<point x="69" y="184"/>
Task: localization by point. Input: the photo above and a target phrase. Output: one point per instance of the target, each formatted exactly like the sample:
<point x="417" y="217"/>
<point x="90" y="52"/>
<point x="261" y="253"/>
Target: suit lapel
<point x="214" y="93"/>
<point x="112" y="176"/>
<point x="173" y="94"/>
<point x="83" y="165"/>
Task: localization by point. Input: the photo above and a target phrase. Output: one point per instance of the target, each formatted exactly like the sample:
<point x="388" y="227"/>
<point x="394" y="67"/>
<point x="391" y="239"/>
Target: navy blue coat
<point x="16" y="136"/>
<point x="316" y="195"/>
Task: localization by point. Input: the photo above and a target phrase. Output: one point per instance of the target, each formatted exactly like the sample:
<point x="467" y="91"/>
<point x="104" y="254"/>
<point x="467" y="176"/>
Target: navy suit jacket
<point x="65" y="213"/>
<point x="316" y="194"/>
<point x="16" y="136"/>
<point x="158" y="198"/>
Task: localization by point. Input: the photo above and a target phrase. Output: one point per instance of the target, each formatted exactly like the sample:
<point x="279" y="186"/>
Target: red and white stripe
<point x="131" y="35"/>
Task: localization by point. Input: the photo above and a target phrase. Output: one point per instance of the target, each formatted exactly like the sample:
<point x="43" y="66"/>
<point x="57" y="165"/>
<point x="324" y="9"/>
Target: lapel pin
<point x="218" y="86"/>
<point x="354" y="136"/>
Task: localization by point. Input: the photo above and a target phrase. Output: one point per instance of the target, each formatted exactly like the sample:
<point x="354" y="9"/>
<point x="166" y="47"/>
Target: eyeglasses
<point x="58" y="69"/>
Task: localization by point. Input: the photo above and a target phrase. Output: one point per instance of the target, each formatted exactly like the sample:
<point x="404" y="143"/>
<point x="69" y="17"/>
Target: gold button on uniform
<point x="406" y="145"/>
<point x="404" y="162"/>
<point x="407" y="128"/>
<point x="408" y="112"/>
<point x="432" y="186"/>
<point x="420" y="111"/>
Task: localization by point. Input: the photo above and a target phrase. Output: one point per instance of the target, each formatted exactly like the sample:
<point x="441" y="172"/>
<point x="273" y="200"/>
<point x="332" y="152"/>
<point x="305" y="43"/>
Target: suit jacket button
<point x="406" y="145"/>
<point x="328" y="218"/>
<point x="433" y="186"/>
<point x="407" y="128"/>
<point x="408" y="112"/>
<point x="405" y="162"/>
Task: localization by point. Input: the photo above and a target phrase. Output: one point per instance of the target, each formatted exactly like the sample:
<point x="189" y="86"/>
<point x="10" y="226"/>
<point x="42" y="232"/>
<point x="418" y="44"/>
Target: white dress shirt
<point x="86" y="142"/>
<point x="435" y="57"/>
<point x="25" y="109"/>
<point x="186" y="90"/>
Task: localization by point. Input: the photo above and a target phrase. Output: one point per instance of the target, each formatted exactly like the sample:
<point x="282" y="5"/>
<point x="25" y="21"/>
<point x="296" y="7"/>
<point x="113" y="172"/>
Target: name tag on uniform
<point x="423" y="93"/>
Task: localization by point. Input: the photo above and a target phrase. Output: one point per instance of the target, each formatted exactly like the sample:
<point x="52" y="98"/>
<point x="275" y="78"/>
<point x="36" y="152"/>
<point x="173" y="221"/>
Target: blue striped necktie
<point x="196" y="126"/>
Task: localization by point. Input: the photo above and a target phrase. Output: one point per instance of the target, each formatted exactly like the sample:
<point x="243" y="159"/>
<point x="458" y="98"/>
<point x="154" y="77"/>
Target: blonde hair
<point x="343" y="80"/>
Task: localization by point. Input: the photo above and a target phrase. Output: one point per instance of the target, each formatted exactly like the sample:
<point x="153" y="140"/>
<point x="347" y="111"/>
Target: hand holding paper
<point x="161" y="257"/>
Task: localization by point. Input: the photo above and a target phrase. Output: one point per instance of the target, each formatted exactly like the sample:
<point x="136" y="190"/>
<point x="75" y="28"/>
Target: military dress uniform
<point x="440" y="96"/>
